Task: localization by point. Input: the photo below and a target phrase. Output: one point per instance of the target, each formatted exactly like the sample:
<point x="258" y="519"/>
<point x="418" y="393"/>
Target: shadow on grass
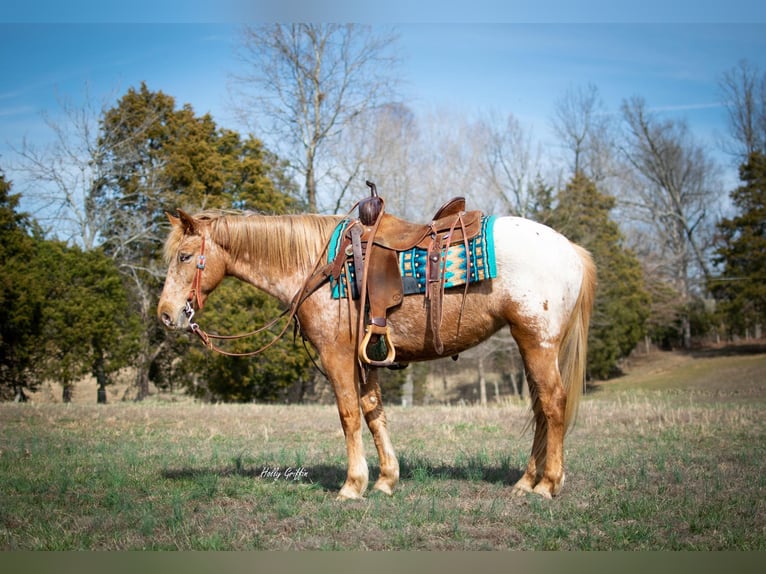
<point x="331" y="477"/>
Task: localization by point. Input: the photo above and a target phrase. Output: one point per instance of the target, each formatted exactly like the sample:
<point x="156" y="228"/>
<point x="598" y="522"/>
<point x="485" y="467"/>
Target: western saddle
<point x="372" y="243"/>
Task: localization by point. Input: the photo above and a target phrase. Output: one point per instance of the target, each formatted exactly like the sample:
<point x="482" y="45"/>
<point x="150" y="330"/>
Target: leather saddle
<point x="373" y="243"/>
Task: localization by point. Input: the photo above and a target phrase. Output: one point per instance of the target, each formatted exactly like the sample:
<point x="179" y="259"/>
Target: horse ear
<point x="174" y="221"/>
<point x="188" y="222"/>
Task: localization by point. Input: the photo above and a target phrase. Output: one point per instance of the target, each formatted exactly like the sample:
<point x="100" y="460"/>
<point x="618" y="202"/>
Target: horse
<point x="543" y="290"/>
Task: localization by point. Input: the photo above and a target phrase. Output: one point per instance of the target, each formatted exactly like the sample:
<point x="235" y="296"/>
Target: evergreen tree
<point x="21" y="299"/>
<point x="622" y="302"/>
<point x="63" y="313"/>
<point x="161" y="158"/>
<point x="280" y="373"/>
<point x="741" y="286"/>
<point x="86" y="326"/>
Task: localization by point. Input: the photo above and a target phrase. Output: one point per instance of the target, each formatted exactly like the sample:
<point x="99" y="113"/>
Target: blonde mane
<point x="285" y="241"/>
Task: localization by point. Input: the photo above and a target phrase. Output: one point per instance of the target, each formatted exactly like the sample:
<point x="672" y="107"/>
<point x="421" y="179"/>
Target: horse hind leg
<point x="544" y="474"/>
<point x="372" y="407"/>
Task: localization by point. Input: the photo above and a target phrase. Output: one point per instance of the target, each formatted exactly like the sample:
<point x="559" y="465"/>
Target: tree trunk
<point x="482" y="382"/>
<point x="311" y="184"/>
<point x="19" y="395"/>
<point x="687" y="328"/>
<point x="99" y="371"/>
<point x="408" y="390"/>
<point x="145" y="359"/>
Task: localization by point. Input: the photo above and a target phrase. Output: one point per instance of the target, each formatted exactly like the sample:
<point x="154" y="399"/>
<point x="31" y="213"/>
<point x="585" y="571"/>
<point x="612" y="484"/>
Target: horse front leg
<point x="372" y="407"/>
<point x="544" y="474"/>
<point x="340" y="370"/>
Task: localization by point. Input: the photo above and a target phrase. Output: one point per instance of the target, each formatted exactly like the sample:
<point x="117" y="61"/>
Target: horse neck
<point x="278" y="252"/>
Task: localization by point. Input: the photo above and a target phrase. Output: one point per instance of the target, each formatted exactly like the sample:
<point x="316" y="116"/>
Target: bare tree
<point x="308" y="83"/>
<point x="744" y="94"/>
<point x="381" y="145"/>
<point x="449" y="162"/>
<point x="510" y="163"/>
<point x="585" y="129"/>
<point x="61" y="175"/>
<point x="672" y="190"/>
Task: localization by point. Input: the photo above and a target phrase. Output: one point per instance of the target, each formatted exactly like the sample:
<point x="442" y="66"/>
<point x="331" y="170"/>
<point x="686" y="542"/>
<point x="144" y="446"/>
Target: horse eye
<point x="184" y="257"/>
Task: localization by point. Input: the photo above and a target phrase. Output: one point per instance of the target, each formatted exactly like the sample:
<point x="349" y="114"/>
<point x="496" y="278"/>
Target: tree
<point x="741" y="252"/>
<point x="87" y="326"/>
<point x="142" y="174"/>
<point x="380" y="145"/>
<point x="511" y="164"/>
<point x="63" y="174"/>
<point x="281" y="373"/>
<point x="309" y="82"/>
<point x="672" y="190"/>
<point x="161" y="158"/>
<point x="621" y="305"/>
<point x="584" y="128"/>
<point x="21" y="298"/>
<point x="451" y="152"/>
<point x="744" y="94"/>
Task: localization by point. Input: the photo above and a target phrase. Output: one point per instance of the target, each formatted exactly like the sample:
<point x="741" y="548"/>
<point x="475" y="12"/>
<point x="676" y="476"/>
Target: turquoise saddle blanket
<point x="412" y="263"/>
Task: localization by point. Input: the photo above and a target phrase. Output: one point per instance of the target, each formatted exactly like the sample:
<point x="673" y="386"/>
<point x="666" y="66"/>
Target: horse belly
<point x="465" y="323"/>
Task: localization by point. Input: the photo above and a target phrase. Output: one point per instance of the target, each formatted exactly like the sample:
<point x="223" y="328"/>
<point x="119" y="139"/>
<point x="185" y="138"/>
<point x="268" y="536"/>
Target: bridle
<point x="196" y="288"/>
<point x="312" y="283"/>
<point x="319" y="275"/>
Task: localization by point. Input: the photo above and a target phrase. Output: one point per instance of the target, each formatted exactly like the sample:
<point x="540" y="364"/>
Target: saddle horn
<point x="371" y="207"/>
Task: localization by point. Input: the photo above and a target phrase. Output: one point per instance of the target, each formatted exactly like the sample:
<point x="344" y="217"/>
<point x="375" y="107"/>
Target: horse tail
<point x="574" y="347"/>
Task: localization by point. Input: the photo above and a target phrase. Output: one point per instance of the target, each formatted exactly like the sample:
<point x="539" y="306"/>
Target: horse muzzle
<point x="179" y="320"/>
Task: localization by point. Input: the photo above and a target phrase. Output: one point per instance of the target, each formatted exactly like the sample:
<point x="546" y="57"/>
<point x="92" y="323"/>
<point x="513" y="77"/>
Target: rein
<point x="316" y="278"/>
<point x="196" y="295"/>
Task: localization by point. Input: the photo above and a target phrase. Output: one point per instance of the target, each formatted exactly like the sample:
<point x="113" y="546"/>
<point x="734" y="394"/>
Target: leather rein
<point x="314" y="281"/>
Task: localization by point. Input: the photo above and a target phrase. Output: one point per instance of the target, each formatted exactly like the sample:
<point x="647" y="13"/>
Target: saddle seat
<point x="400" y="235"/>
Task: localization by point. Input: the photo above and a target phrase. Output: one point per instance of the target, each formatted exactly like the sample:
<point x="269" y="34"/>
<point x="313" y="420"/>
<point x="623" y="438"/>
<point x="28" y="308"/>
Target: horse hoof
<point x="543" y="490"/>
<point x="523" y="487"/>
<point x="384" y="487"/>
<point x="343" y="496"/>
<point x="544" y="493"/>
<point x="349" y="493"/>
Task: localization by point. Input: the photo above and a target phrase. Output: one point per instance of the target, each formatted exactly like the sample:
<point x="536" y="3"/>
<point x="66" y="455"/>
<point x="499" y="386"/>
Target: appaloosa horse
<point x="543" y="289"/>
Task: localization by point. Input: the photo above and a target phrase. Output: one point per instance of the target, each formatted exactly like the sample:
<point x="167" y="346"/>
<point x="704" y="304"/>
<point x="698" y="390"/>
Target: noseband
<point x="196" y="288"/>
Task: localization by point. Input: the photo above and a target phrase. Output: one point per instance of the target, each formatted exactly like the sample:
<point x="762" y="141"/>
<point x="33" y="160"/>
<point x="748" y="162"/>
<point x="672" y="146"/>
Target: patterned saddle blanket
<point x="413" y="262"/>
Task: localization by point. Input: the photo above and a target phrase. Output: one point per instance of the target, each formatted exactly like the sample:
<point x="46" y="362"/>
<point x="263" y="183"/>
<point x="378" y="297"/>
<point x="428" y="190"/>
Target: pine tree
<point x="89" y="328"/>
<point x="21" y="299"/>
<point x="741" y="286"/>
<point x="162" y="157"/>
<point x="622" y="302"/>
<point x="278" y="374"/>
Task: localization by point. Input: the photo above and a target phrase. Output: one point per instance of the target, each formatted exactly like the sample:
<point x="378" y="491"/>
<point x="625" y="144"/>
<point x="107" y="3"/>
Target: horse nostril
<point x="167" y="320"/>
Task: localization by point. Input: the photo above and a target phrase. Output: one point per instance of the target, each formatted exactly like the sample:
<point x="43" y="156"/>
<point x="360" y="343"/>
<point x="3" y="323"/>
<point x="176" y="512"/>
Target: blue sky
<point x="464" y="66"/>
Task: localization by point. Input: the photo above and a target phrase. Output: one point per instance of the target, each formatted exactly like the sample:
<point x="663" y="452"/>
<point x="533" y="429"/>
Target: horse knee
<point x="370" y="403"/>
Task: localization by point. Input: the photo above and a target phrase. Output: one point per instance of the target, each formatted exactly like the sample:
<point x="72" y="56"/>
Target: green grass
<point x="671" y="460"/>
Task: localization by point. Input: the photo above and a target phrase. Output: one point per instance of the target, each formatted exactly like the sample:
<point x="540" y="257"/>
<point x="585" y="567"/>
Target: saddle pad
<point x="412" y="263"/>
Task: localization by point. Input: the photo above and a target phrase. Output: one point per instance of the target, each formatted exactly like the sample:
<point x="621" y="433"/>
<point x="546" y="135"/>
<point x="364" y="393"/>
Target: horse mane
<point x="287" y="241"/>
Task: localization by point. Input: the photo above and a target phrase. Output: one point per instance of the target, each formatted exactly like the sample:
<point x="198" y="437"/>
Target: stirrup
<point x="386" y="337"/>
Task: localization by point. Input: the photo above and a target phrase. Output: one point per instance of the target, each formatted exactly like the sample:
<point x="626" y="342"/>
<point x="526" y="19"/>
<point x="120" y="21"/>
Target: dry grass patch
<point x="666" y="460"/>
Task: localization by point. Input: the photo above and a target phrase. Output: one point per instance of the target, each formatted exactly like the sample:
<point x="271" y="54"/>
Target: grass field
<point x="671" y="456"/>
